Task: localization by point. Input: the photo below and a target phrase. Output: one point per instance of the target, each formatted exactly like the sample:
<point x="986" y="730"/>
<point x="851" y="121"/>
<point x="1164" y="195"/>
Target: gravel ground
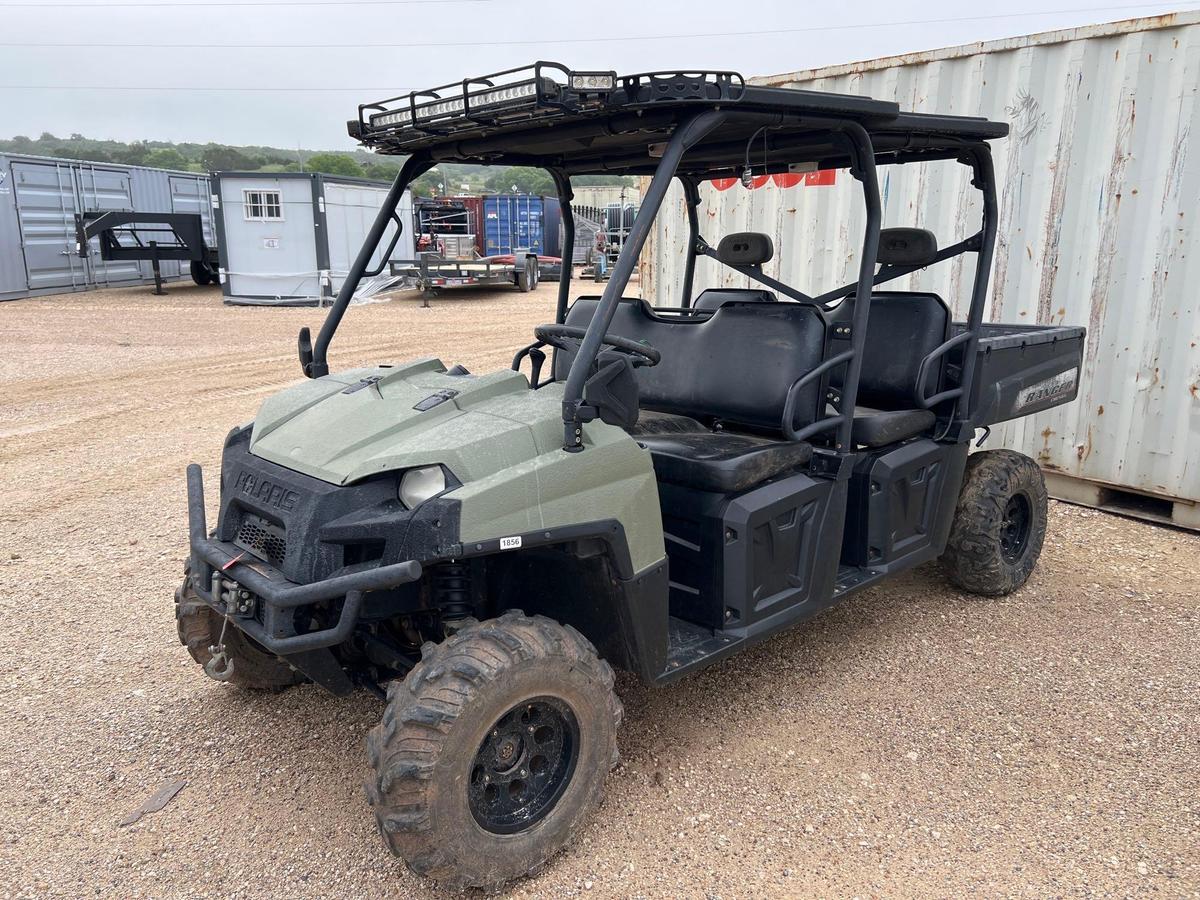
<point x="912" y="741"/>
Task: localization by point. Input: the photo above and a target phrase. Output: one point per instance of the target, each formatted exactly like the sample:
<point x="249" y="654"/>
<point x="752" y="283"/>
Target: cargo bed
<point x="1023" y="369"/>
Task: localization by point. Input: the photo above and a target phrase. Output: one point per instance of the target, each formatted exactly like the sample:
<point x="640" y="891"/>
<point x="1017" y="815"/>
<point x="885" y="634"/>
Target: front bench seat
<point x="722" y="461"/>
<point x="685" y="452"/>
<point x="714" y="298"/>
<point x="651" y="422"/>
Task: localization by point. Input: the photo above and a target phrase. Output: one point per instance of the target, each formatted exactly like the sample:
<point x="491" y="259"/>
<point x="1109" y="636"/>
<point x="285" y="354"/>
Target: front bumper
<point x="223" y="575"/>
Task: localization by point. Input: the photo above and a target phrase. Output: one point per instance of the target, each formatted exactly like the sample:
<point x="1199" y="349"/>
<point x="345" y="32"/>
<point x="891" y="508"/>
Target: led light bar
<point x="505" y="94"/>
<point x="440" y="108"/>
<point x="382" y="120"/>
<point x="593" y="81"/>
<point x="455" y="106"/>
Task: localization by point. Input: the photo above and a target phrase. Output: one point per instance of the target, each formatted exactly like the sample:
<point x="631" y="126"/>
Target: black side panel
<point x="694" y="535"/>
<point x="901" y="505"/>
<point x="773" y="549"/>
<point x="736" y="560"/>
<point x="577" y="584"/>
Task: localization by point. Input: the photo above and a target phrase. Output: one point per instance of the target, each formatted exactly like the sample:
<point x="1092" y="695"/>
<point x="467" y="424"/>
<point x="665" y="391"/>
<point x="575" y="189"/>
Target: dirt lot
<point x="911" y="742"/>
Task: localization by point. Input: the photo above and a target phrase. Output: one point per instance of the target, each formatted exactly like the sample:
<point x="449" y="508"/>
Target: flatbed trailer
<point x="434" y="273"/>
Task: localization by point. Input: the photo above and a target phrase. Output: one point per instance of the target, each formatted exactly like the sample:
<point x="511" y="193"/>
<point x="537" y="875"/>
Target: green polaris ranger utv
<point x="661" y="489"/>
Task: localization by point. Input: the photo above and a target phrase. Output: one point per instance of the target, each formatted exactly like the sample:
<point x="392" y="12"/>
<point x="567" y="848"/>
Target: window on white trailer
<point x="262" y="206"/>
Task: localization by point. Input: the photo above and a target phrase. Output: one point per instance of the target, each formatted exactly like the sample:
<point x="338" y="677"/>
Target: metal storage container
<point x="39" y="198"/>
<point x="1099" y="194"/>
<point x="290" y="238"/>
<point x="512" y="222"/>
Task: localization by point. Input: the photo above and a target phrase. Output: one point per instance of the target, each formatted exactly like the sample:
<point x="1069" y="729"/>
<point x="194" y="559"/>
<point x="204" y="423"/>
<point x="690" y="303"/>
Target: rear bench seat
<point x="732" y="370"/>
<point x="903" y="328"/>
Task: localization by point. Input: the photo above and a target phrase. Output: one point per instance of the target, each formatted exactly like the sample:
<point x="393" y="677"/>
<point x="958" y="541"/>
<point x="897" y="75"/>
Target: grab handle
<point x="923" y="372"/>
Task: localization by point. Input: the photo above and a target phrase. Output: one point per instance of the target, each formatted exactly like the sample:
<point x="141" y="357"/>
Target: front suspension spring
<point x="452" y="590"/>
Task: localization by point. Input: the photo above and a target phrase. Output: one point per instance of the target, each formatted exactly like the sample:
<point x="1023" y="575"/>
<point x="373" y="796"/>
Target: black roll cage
<point x="837" y="141"/>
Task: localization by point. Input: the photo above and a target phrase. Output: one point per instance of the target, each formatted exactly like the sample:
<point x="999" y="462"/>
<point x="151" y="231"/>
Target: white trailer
<point x="288" y="239"/>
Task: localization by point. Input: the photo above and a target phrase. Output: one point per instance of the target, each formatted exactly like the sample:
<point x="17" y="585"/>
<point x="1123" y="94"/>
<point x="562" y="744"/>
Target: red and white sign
<point x="783" y="180"/>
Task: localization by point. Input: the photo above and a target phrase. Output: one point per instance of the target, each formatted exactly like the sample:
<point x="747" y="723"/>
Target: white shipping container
<point x="1098" y="201"/>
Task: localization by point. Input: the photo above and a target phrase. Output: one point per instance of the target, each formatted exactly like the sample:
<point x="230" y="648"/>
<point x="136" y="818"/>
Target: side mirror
<point x="612" y="390"/>
<point x="304" y="347"/>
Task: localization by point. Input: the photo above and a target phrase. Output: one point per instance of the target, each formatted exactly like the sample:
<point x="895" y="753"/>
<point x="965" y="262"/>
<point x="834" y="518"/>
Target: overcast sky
<point x="354" y="52"/>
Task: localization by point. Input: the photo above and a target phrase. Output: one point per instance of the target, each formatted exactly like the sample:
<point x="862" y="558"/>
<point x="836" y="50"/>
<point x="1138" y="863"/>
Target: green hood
<point x="344" y="427"/>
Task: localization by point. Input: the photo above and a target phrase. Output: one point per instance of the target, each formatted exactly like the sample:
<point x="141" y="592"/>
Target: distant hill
<point x="449" y="179"/>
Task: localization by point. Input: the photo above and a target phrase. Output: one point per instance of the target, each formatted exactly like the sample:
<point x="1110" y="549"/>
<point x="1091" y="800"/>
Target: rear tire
<point x="199" y="629"/>
<point x="527" y="277"/>
<point x="999" y="524"/>
<point x="493" y="751"/>
<point x="202" y="274"/>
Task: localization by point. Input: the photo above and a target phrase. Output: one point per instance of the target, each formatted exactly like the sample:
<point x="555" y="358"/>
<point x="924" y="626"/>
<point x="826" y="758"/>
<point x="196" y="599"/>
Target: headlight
<point x="418" y="485"/>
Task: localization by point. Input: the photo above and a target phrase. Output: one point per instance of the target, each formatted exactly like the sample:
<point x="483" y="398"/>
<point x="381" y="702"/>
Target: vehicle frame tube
<point x="684" y="136"/>
<point x="413" y="168"/>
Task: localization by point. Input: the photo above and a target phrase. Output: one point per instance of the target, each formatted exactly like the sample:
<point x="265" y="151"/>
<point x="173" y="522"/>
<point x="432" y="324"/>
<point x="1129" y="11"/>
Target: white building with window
<point x="290" y="238"/>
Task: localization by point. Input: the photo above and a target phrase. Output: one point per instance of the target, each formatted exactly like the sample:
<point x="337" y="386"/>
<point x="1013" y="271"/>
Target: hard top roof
<point x="598" y="122"/>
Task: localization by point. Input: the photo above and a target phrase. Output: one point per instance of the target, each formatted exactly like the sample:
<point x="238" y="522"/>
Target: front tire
<point x="999" y="524"/>
<point x="199" y="629"/>
<point x="493" y="751"/>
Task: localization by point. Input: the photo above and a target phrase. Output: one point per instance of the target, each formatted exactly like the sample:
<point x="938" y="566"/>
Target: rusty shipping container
<point x="1099" y="201"/>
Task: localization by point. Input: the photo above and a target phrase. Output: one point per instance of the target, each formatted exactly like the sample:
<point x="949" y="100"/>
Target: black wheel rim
<point x="523" y="765"/>
<point x="1015" y="527"/>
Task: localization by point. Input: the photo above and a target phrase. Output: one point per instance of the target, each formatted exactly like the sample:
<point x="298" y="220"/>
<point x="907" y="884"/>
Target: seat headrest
<point x="745" y="248"/>
<point x="906" y="247"/>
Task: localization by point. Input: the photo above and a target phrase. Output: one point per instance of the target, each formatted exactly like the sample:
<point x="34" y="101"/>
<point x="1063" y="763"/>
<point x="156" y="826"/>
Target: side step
<point x="693" y="646"/>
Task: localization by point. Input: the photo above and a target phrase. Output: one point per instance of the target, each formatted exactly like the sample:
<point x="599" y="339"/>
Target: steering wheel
<point x="570" y="337"/>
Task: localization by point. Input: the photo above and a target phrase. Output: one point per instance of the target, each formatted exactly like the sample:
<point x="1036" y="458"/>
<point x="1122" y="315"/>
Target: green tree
<point x="380" y="171"/>
<point x="220" y="158"/>
<point x="428" y="185"/>
<point x="166" y="158"/>
<point x="525" y="181"/>
<point x="334" y="164"/>
<point x="598" y="180"/>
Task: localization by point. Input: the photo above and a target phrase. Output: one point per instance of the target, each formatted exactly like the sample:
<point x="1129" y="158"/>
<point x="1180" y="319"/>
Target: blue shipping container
<point x="512" y="222"/>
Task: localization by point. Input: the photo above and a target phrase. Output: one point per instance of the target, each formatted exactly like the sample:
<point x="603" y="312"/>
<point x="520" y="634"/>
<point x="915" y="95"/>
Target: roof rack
<point x="577" y="122"/>
<point x="527" y="93"/>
